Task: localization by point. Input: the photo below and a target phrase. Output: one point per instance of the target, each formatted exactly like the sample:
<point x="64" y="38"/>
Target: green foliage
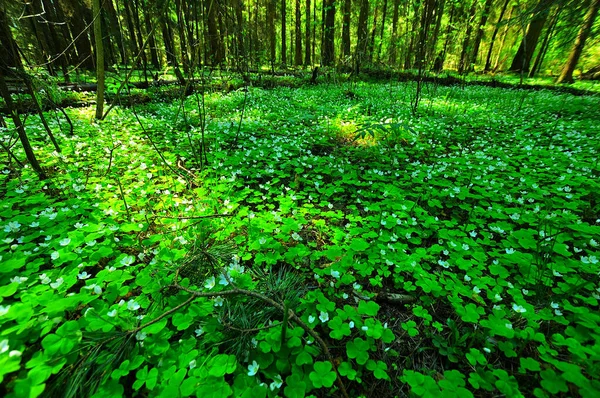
<point x="461" y="260"/>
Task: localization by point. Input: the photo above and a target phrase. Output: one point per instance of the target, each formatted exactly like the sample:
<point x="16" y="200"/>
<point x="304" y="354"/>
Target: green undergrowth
<point x="454" y="252"/>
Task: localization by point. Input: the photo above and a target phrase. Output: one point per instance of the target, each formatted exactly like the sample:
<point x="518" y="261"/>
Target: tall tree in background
<point x="465" y="60"/>
<point x="298" y="35"/>
<point x="362" y="34"/>
<point x="328" y="45"/>
<point x="307" y="48"/>
<point x="522" y="59"/>
<point x="99" y="58"/>
<point x="346" y="18"/>
<point x="283" y="33"/>
<point x="271" y="30"/>
<point x="480" y="30"/>
<point x="550" y="30"/>
<point x="488" y="59"/>
<point x="566" y="76"/>
<point x="393" y="48"/>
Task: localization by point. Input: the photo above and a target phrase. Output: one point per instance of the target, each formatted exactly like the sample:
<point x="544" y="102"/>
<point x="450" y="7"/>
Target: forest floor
<point x="453" y="251"/>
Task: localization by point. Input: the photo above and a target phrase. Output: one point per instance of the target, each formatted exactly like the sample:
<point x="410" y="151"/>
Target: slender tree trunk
<point x="503" y="40"/>
<point x="152" y="40"/>
<point x="394" y="41"/>
<point x="298" y="35"/>
<point x="427" y="13"/>
<point x="488" y="60"/>
<point x="307" y="58"/>
<point x="539" y="59"/>
<point x="347" y="13"/>
<point x="566" y="76"/>
<point x="271" y="30"/>
<point x="362" y="34"/>
<point x="438" y="14"/>
<point x="371" y="41"/>
<point x="480" y="30"/>
<point x="328" y="45"/>
<point x="381" y="31"/>
<point x="99" y="59"/>
<point x="449" y="34"/>
<point x="465" y="60"/>
<point x="216" y="53"/>
<point x="283" y="33"/>
<point x="131" y="28"/>
<point x="113" y="28"/>
<point x="78" y="21"/>
<point x="522" y="59"/>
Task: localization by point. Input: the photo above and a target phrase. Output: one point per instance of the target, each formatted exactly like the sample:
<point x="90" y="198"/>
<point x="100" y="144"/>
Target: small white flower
<point x="4" y="346"/>
<point x="210" y="283"/>
<point x="365" y="328"/>
<point x="17" y="279"/>
<point x="4" y="310"/>
<point x="14" y="353"/>
<point x="311" y="319"/>
<point x="218" y="301"/>
<point x="140" y="336"/>
<point x="509" y="325"/>
<point x="525" y="291"/>
<point x="465" y="246"/>
<point x="54" y="255"/>
<point x="476" y="289"/>
<point x="351" y="324"/>
<point x="112" y="313"/>
<point x="192" y="364"/>
<point x="83" y="275"/>
<point x="324" y="316"/>
<point x="497" y="297"/>
<point x="556" y="273"/>
<point x="127" y="261"/>
<point x="253" y="368"/>
<point x="199" y="331"/>
<point x="356" y="286"/>
<point x="510" y="251"/>
<point x="467" y="278"/>
<point x="296" y="236"/>
<point x="262" y="240"/>
<point x="65" y="242"/>
<point x="335" y="274"/>
<point x="554" y="305"/>
<point x="487" y="350"/>
<point x="277" y="383"/>
<point x="473" y="234"/>
<point x="223" y="280"/>
<point x="56" y="284"/>
<point x="518" y="308"/>
<point x="593" y="242"/>
<point x="132" y="305"/>
<point x="12" y="226"/>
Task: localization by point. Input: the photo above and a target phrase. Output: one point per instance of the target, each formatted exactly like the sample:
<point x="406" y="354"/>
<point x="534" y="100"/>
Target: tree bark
<point x="347" y="13"/>
<point x="465" y="59"/>
<point x="99" y="58"/>
<point x="307" y="58"/>
<point x="328" y="45"/>
<point x="522" y="58"/>
<point x="566" y="76"/>
<point x="488" y="59"/>
<point x="539" y="59"/>
<point x="480" y="30"/>
<point x="362" y="34"/>
<point x="283" y="33"/>
<point x="298" y="36"/>
<point x="393" y="52"/>
<point x="271" y="30"/>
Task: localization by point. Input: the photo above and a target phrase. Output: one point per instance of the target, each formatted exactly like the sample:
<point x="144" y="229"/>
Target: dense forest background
<point x="531" y="37"/>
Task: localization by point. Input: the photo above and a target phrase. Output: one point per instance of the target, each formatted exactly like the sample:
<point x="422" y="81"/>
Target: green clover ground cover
<point x="455" y="252"/>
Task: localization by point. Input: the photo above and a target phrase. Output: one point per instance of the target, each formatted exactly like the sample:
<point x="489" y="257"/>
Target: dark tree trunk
<point x="328" y="45"/>
<point x="371" y="41"/>
<point x="283" y="33"/>
<point x="78" y="19"/>
<point x="347" y="13"/>
<point x="183" y="42"/>
<point x="298" y="36"/>
<point x="480" y="30"/>
<point x="539" y="59"/>
<point x="503" y="40"/>
<point x="271" y="30"/>
<point x="307" y="58"/>
<point x="465" y="59"/>
<point x="114" y="29"/>
<point x="216" y="53"/>
<point x="566" y="76"/>
<point x="362" y="34"/>
<point x="522" y="59"/>
<point x="10" y="60"/>
<point x="424" y="33"/>
<point x="432" y="42"/>
<point x="488" y="59"/>
<point x="449" y="34"/>
<point x="131" y="28"/>
<point x="381" y="31"/>
<point x="151" y="40"/>
<point x="394" y="41"/>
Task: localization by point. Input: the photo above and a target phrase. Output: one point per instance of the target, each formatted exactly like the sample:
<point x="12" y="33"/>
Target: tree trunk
<point x="503" y="40"/>
<point x="283" y="33"/>
<point x="307" y="58"/>
<point x="78" y="18"/>
<point x="362" y="34"/>
<point x="99" y="59"/>
<point x="151" y="41"/>
<point x="539" y="59"/>
<point x="328" y="45"/>
<point x="131" y="29"/>
<point x="425" y="27"/>
<point x="371" y="41"/>
<point x="382" y="30"/>
<point x="393" y="52"/>
<point x="522" y="58"/>
<point x="216" y="53"/>
<point x="449" y="31"/>
<point x="271" y="30"/>
<point x="488" y="60"/>
<point x="480" y="30"/>
<point x="347" y="13"/>
<point x="298" y="36"/>
<point x="114" y="29"/>
<point x="465" y="60"/>
<point x="566" y="76"/>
